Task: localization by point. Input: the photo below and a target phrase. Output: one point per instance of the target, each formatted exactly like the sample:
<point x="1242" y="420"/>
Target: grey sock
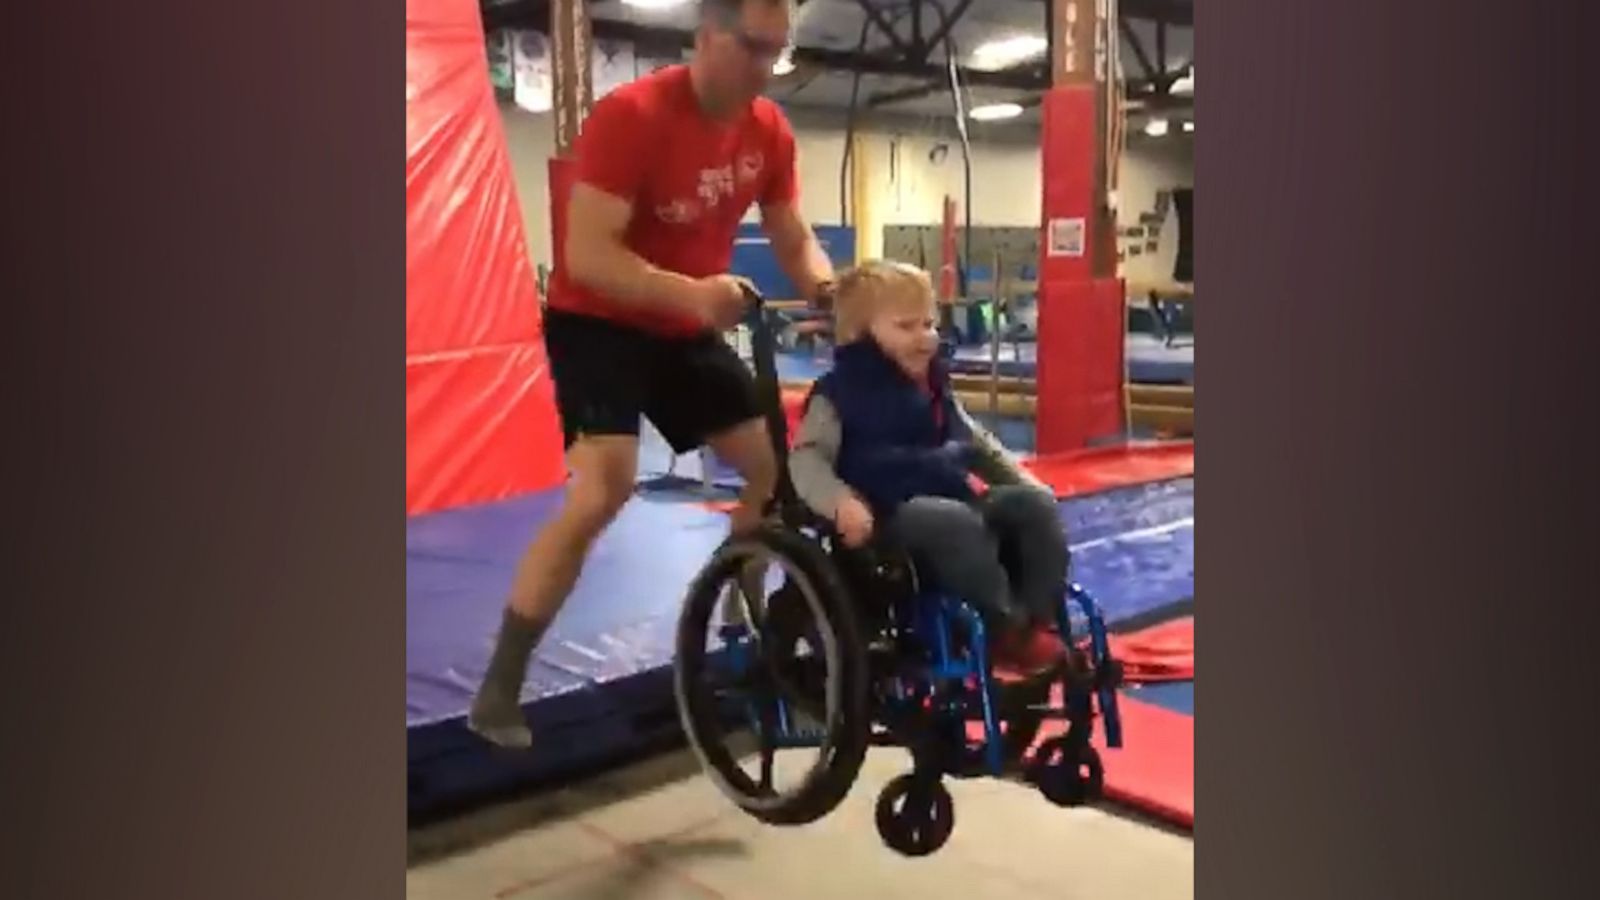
<point x="496" y="713"/>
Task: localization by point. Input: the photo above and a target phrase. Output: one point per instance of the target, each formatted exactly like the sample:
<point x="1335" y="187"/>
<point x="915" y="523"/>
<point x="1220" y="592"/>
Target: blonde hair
<point x="869" y="288"/>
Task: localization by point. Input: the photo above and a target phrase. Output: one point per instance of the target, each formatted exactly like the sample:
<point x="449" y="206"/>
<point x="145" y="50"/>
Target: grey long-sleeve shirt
<point x="813" y="460"/>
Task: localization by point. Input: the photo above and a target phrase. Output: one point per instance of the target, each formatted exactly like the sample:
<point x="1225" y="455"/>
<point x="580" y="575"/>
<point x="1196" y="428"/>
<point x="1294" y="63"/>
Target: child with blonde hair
<point x="884" y="449"/>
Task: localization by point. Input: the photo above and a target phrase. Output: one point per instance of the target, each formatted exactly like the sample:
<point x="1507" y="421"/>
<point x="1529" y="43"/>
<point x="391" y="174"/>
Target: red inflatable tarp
<point x="1160" y="653"/>
<point x="480" y="411"/>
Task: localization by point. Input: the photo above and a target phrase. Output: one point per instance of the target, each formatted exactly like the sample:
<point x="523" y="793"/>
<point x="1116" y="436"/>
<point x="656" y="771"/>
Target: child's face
<point x="907" y="330"/>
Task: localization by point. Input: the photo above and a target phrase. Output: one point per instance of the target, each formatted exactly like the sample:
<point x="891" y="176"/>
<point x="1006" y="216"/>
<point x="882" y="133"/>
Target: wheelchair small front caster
<point x="915" y="815"/>
<point x="1067" y="775"/>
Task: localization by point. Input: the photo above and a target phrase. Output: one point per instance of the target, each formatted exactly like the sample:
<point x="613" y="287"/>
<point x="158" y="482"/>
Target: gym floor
<point x="658" y="830"/>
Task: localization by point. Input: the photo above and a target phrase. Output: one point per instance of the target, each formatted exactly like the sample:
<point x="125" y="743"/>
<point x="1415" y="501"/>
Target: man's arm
<point x="797" y="249"/>
<point x="609" y="176"/>
<point x="599" y="259"/>
<point x="795" y="245"/>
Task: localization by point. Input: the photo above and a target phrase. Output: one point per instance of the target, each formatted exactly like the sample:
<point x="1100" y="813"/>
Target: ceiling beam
<point x="509" y="13"/>
<point x="885" y="27"/>
<point x="1172" y="12"/>
<point x="1143" y="58"/>
<point x="1026" y="78"/>
<point x="503" y="13"/>
<point x="1143" y="90"/>
<point x="944" y="27"/>
<point x="1020" y="78"/>
<point x="534" y="14"/>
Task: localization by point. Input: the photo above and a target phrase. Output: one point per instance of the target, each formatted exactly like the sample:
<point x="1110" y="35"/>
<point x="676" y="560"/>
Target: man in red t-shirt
<point x="666" y="168"/>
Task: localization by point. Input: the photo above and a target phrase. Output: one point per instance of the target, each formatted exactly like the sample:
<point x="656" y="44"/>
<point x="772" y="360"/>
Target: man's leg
<point x="702" y="394"/>
<point x="748" y="448"/>
<point x="603" y="469"/>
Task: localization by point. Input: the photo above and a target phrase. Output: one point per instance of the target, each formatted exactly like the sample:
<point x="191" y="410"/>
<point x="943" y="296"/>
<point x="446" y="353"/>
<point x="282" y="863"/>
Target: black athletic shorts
<point x="607" y="375"/>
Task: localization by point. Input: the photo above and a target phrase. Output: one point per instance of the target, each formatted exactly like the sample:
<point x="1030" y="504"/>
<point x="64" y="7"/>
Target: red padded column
<point x="1081" y="319"/>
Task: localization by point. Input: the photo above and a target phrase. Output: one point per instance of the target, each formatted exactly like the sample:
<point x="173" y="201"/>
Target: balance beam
<point x="1173" y="421"/>
<point x="1173" y="395"/>
<point x="1007" y="384"/>
<point x="1176" y="395"/>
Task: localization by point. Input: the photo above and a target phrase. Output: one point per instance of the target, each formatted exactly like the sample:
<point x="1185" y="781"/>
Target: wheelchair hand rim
<point x="747" y="551"/>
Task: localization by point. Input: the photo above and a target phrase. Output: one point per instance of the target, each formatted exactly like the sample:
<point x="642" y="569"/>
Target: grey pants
<point x="1006" y="554"/>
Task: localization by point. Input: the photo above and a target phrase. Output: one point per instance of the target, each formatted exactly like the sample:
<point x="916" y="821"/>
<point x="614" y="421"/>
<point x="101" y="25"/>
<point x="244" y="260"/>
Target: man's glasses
<point x="762" y="50"/>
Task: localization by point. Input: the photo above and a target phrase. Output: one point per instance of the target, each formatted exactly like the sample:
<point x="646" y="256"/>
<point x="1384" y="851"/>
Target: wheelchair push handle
<point x="764" y="351"/>
<point x="820" y="301"/>
<point x="753" y="296"/>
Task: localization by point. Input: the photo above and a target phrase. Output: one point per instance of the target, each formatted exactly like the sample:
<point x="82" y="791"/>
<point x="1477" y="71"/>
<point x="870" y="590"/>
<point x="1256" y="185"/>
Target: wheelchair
<point x="789" y="641"/>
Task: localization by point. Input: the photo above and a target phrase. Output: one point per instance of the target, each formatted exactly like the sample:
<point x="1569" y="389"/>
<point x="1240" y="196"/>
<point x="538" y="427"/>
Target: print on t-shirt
<point x="678" y="212"/>
<point x="716" y="184"/>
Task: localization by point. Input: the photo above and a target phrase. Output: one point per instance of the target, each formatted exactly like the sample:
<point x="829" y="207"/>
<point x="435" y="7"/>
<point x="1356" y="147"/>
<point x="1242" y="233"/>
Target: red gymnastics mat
<point x="1103" y="468"/>
<point x="1157" y="654"/>
<point x="1153" y="772"/>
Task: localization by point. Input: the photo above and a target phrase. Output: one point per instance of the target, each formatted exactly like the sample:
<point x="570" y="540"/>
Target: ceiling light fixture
<point x="1008" y="51"/>
<point x="1184" y="86"/>
<point x="994" y="112"/>
<point x="1156" y="128"/>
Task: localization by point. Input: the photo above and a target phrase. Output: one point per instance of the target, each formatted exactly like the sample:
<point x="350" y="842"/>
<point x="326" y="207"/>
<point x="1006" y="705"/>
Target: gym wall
<point x="910" y="186"/>
<point x="1151" y="166"/>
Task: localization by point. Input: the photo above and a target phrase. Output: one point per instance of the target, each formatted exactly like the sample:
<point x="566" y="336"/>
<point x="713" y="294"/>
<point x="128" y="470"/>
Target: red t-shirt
<point x="690" y="181"/>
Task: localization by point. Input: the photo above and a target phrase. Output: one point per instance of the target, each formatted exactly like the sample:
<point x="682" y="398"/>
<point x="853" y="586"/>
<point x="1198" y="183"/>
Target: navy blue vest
<point x="894" y="446"/>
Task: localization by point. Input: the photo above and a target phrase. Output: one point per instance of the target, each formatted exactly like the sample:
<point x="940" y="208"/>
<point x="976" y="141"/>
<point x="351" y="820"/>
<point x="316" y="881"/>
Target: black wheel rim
<point x="702" y="709"/>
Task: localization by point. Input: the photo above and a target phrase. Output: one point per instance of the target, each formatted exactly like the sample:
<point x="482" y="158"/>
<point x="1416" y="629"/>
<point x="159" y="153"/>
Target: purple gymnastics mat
<point x="599" y="687"/>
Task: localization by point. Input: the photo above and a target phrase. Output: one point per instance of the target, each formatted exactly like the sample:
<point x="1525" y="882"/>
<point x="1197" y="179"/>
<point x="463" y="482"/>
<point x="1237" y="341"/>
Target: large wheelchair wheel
<point x="768" y="643"/>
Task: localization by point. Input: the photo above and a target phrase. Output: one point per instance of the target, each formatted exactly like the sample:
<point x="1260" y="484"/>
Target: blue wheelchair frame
<point x="930" y="617"/>
<point x="933" y="616"/>
<point x="921" y="693"/>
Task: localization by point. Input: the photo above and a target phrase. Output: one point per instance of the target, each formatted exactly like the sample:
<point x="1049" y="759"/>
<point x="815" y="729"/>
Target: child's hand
<point x="854" y="521"/>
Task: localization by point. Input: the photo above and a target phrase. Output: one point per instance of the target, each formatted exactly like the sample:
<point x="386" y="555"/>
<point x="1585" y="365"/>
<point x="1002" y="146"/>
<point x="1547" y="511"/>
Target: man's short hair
<point x="726" y="13"/>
